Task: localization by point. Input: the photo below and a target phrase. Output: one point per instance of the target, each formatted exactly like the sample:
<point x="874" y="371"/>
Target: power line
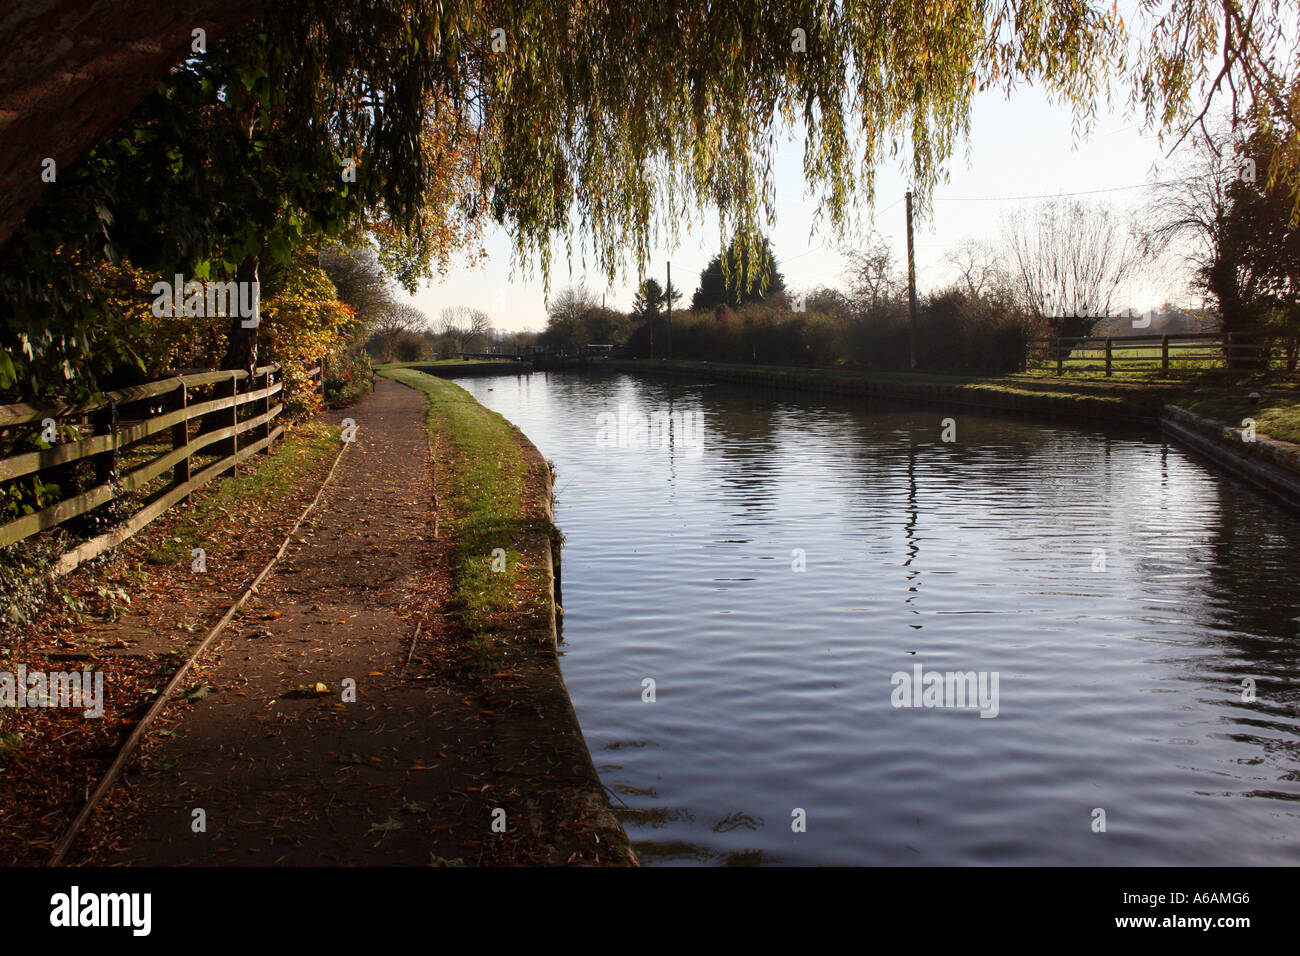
<point x="827" y="245"/>
<point x="808" y="253"/>
<point x="1082" y="192"/>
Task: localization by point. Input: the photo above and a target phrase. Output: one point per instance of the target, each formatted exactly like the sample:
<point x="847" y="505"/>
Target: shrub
<point x="348" y="378"/>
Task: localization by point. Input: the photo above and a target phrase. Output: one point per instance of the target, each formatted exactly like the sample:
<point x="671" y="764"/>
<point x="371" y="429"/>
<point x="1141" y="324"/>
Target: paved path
<point x="398" y="777"/>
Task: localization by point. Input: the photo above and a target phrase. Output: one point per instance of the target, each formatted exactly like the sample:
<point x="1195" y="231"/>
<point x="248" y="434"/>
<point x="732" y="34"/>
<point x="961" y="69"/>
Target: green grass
<point x="450" y="361"/>
<point x="1183" y="357"/>
<point x="277" y="474"/>
<point x="1276" y="415"/>
<point x="483" y="485"/>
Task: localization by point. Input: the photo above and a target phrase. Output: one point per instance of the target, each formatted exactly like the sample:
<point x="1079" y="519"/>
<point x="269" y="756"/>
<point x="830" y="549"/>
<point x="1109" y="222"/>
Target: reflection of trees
<point x="1251" y="565"/>
<point x="741" y="425"/>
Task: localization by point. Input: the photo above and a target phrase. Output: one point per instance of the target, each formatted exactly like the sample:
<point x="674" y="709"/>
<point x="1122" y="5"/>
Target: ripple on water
<point x="1122" y="594"/>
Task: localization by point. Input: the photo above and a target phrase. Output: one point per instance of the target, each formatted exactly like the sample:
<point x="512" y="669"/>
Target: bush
<point x="300" y="398"/>
<point x="962" y="333"/>
<point x="411" y="347"/>
<point x="26" y="586"/>
<point x="348" y="377"/>
<point x="955" y="332"/>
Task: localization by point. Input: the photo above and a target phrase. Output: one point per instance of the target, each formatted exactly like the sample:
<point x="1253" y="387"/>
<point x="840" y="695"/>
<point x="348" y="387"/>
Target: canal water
<point x="804" y="630"/>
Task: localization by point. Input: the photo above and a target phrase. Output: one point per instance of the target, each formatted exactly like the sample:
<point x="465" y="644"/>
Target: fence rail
<point x="234" y="420"/>
<point x="1184" y="351"/>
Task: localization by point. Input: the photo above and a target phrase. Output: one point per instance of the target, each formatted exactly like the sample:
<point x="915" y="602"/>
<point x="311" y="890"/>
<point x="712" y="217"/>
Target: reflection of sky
<point x="1119" y="688"/>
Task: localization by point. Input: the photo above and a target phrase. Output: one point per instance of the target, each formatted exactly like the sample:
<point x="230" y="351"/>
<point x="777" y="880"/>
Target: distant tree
<point x="1234" y="230"/>
<point x="649" y="302"/>
<point x="411" y="347"/>
<point x="1070" y="259"/>
<point x="872" y="274"/>
<point x="979" y="269"/>
<point x="830" y="302"/>
<point x="360" y="281"/>
<point x="746" y="271"/>
<point x="564" y="315"/>
<point x="462" y="325"/>
<point x="399" y="320"/>
<point x="602" y="326"/>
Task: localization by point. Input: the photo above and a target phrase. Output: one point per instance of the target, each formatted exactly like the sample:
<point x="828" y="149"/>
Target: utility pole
<point x="669" y="297"/>
<point x="911" y="287"/>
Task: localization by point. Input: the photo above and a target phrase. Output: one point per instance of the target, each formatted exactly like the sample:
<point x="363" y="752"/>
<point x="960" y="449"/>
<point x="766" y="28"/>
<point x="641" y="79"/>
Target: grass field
<point x="1183" y="356"/>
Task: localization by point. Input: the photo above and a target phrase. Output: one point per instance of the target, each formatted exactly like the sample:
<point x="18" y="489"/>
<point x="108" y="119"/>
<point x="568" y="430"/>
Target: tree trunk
<point x="241" y="342"/>
<point x="241" y="353"/>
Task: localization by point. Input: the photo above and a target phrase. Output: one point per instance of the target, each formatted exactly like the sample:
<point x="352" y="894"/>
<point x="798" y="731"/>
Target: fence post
<point x="233" y="446"/>
<point x="1108" y="355"/>
<point x="105" y="423"/>
<point x="321" y="382"/>
<point x="1060" y="357"/>
<point x="1164" y="353"/>
<point x="264" y="431"/>
<point x="1227" y="349"/>
<point x="180" y="434"/>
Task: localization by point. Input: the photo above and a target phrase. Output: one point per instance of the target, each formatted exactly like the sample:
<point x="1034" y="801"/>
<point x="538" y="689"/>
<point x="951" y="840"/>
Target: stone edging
<point x="541" y="547"/>
<point x="1270" y="465"/>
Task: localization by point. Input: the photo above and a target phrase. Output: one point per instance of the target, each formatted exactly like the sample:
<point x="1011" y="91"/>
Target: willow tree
<point x="605" y="125"/>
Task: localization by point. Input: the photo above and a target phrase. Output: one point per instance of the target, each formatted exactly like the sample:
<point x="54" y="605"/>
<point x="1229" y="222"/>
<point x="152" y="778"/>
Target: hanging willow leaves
<point x="609" y="126"/>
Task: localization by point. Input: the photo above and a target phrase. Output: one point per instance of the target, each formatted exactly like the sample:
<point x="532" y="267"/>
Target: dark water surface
<point x="1119" y="590"/>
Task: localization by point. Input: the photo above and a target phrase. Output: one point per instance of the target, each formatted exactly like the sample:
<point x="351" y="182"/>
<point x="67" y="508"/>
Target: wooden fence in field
<point x="154" y="429"/>
<point x="1183" y="351"/>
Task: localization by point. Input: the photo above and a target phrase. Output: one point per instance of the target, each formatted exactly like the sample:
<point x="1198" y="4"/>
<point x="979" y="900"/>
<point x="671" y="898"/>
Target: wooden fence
<point x="1185" y="351"/>
<point x="157" y="427"/>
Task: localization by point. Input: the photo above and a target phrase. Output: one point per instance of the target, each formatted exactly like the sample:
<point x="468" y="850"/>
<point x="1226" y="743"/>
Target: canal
<point x="1101" y="631"/>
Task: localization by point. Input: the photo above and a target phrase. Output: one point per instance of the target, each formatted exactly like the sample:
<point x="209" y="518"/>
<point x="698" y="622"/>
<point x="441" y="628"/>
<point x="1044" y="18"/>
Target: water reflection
<point x="772" y="581"/>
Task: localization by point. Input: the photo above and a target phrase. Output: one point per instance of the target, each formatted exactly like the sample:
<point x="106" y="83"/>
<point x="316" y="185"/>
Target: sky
<point x="1023" y="146"/>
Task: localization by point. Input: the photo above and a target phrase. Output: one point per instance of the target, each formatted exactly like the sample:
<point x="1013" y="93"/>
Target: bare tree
<point x="569" y="304"/>
<point x="564" y="316"/>
<point x="1189" y="212"/>
<point x="871" y="273"/>
<point x="1071" y="258"/>
<point x="980" y="271"/>
<point x="392" y="325"/>
<point x="360" y="281"/>
<point x="462" y="325"/>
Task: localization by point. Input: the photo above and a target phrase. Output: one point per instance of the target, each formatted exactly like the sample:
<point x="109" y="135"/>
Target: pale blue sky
<point x="1018" y="147"/>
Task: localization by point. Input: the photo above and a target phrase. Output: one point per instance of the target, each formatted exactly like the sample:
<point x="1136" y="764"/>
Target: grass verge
<point x="481" y="482"/>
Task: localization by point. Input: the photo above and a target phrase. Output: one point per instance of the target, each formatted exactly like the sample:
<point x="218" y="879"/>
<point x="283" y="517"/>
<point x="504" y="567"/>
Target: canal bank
<point x="493" y="495"/>
<point x="459" y="369"/>
<point x="1269" y="464"/>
